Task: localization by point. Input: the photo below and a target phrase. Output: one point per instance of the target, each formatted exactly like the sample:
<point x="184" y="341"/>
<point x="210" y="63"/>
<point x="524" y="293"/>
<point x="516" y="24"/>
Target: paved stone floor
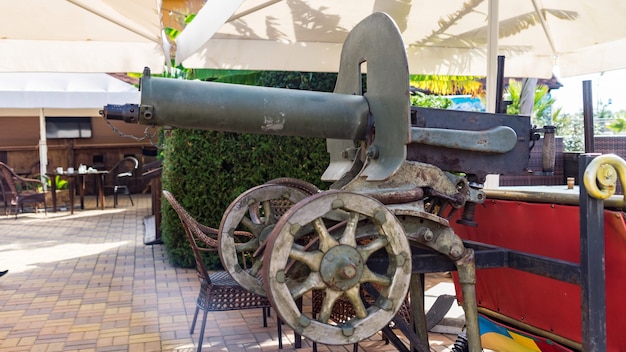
<point x="87" y="282"/>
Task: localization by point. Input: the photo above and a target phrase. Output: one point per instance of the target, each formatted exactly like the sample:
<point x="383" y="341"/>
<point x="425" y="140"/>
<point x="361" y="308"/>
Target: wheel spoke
<point x="250" y="225"/>
<point x="297" y="247"/>
<point x="370" y="276"/>
<point x="312" y="282"/>
<point x="326" y="240"/>
<point x="330" y="297"/>
<point x="370" y="248"/>
<point x="249" y="246"/>
<point x="258" y="264"/>
<point x="311" y="259"/>
<point x="354" y="296"/>
<point x="268" y="213"/>
<point x="349" y="233"/>
<point x="253" y="211"/>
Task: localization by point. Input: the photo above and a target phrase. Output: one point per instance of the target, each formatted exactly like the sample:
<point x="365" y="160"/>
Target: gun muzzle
<point x="128" y="112"/>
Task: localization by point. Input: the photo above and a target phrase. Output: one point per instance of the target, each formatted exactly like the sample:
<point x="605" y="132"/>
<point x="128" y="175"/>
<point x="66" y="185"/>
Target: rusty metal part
<point x="337" y="266"/>
<point x="457" y="200"/>
<point x="440" y="238"/>
<point x="399" y="197"/>
<point x="405" y="183"/>
<point x="430" y="234"/>
<point x="476" y="196"/>
<point x="467" y="218"/>
<point x="466" y="269"/>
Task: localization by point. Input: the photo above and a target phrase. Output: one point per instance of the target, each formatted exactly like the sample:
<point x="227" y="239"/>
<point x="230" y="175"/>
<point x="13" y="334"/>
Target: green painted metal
<point x="375" y="45"/>
<point x="250" y="109"/>
<point x="500" y="139"/>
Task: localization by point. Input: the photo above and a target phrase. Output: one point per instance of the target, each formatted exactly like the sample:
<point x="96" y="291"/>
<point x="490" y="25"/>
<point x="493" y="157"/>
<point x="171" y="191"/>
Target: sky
<point x="606" y="88"/>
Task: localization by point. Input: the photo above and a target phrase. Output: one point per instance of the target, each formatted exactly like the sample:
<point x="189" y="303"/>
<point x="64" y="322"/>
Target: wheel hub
<point x="341" y="267"/>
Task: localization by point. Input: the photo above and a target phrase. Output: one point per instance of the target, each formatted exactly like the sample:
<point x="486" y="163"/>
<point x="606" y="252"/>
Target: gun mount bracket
<point x="376" y="42"/>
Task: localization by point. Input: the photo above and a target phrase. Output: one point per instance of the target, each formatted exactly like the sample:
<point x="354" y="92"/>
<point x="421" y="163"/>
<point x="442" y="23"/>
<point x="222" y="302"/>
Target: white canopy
<point x="442" y="37"/>
<point x="81" y="36"/>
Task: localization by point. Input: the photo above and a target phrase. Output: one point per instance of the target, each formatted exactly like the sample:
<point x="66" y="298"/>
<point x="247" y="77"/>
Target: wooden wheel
<point x="296" y="183"/>
<point x="246" y="225"/>
<point x="337" y="265"/>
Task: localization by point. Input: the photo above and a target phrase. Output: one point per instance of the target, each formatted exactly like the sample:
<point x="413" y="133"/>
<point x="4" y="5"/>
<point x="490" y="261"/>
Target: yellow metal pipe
<point x="600" y="176"/>
<point x="546" y="196"/>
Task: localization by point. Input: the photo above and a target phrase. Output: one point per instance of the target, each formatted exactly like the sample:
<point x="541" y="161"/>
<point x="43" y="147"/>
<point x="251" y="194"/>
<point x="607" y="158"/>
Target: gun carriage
<point x="399" y="175"/>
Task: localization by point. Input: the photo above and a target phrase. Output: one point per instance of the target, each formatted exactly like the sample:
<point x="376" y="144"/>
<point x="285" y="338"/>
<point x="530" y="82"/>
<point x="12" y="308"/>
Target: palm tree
<point x="542" y="114"/>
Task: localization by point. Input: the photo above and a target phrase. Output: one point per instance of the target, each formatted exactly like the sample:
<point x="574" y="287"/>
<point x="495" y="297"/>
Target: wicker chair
<point x="218" y="290"/>
<point x="17" y="191"/>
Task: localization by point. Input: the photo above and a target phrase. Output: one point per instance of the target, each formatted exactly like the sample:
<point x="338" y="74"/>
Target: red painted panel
<point x="552" y="231"/>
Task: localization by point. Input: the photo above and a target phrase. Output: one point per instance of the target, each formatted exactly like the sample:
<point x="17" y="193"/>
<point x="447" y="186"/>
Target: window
<point x="68" y="127"/>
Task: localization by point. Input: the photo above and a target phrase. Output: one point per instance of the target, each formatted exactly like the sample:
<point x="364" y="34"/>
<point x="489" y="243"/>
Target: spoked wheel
<point x="246" y="225"/>
<point x="337" y="265"/>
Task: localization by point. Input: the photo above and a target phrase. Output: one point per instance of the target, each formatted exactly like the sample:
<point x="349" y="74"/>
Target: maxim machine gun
<point x="399" y="174"/>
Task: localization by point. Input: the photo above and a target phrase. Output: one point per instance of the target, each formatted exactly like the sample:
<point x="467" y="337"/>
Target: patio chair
<point x="218" y="290"/>
<point x="17" y="190"/>
<point x="124" y="172"/>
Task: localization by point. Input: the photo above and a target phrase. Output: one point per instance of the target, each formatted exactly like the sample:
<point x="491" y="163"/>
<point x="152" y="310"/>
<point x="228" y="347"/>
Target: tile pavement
<point x="87" y="282"/>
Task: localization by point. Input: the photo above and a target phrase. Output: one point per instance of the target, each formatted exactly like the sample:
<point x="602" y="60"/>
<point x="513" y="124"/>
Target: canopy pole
<point x="492" y="181"/>
<point x="588" y="117"/>
<point x="492" y="54"/>
<point x="43" y="148"/>
<point x="212" y="15"/>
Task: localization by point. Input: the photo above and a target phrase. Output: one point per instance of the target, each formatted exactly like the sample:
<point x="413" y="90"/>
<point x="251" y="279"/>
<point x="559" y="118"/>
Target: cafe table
<point x="76" y="181"/>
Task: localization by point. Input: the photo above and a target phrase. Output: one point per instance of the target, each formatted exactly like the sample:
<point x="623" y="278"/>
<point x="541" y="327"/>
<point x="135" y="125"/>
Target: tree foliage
<point x="542" y="114"/>
<point x="430" y="101"/>
<point x="571" y="128"/>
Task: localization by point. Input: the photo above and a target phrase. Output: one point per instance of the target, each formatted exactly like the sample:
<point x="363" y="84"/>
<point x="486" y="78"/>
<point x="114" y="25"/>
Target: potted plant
<point x="62" y="191"/>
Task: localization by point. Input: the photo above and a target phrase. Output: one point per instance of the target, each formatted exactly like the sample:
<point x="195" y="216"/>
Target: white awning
<point x="51" y="91"/>
<point x="81" y="36"/>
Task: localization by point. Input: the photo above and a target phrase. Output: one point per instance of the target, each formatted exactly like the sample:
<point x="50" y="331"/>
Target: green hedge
<point x="207" y="170"/>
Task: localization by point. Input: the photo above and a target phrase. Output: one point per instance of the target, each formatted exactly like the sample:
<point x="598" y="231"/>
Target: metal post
<point x="500" y="107"/>
<point x="418" y="308"/>
<point x="588" y="117"/>
<point x="593" y="287"/>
